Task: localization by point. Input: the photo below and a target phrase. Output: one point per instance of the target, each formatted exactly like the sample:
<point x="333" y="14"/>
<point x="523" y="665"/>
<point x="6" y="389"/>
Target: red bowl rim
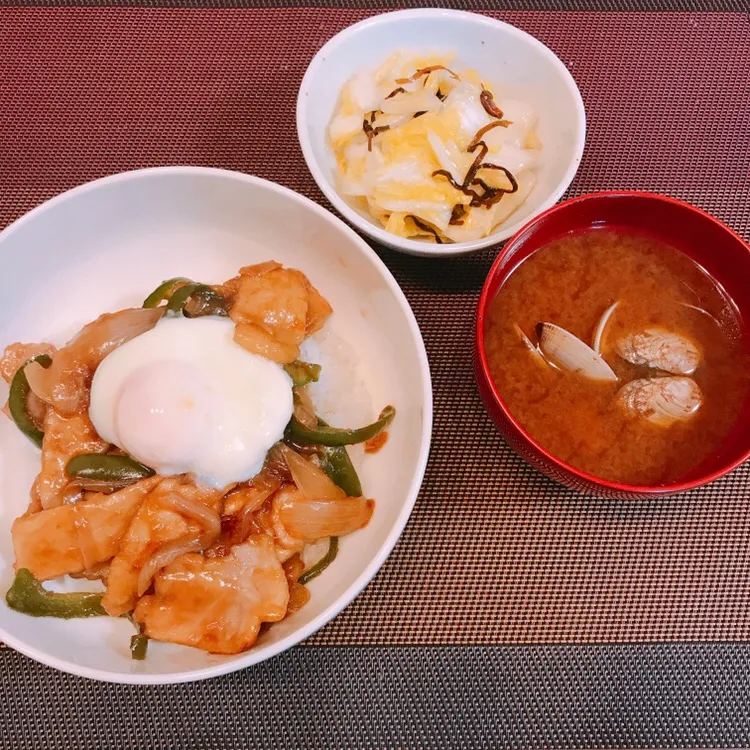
<point x="482" y="308"/>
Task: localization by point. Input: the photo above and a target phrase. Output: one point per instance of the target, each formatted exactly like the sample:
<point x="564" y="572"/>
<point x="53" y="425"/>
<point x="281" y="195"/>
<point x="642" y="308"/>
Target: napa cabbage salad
<point x="428" y="150"/>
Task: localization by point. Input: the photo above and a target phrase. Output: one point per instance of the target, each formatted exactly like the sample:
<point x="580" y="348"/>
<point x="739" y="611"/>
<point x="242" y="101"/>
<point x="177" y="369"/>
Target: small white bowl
<point x="498" y="51"/>
<point x="104" y="246"/>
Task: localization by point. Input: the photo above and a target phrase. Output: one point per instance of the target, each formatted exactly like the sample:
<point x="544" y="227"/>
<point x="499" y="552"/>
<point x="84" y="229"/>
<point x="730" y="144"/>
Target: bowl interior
<point x="105" y="246"/>
<point x="517" y="64"/>
<point x="721" y="252"/>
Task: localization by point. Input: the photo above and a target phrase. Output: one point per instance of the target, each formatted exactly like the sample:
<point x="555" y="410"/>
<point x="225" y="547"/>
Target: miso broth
<point x="571" y="283"/>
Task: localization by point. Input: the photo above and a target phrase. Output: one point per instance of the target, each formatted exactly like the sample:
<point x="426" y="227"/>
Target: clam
<point x="566" y="351"/>
<point x="599" y="332"/>
<point x="700" y="310"/>
<point x="529" y="344"/>
<point x="660" y="349"/>
<point x="661" y="400"/>
<point x="726" y="318"/>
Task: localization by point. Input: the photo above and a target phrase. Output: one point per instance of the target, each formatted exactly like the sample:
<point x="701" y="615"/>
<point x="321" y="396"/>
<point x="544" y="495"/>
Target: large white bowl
<point x="500" y="52"/>
<point x="105" y="245"/>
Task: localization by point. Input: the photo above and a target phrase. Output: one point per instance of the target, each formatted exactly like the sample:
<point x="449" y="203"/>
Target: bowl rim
<point x="402" y="244"/>
<point x="252" y="657"/>
<point x="513" y="244"/>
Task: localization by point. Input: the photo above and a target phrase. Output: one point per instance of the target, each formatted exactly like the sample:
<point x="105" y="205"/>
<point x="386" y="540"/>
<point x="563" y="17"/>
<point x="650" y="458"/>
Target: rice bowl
<point x="165" y="223"/>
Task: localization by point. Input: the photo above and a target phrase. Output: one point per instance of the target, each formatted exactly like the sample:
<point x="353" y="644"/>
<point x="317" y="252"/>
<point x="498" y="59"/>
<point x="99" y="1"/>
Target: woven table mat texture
<point x="482" y="6"/>
<point x="416" y="697"/>
<point x="494" y="552"/>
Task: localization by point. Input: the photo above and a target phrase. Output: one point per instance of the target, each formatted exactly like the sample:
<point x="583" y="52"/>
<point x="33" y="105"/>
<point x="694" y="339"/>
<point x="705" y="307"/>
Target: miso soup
<point x="663" y="370"/>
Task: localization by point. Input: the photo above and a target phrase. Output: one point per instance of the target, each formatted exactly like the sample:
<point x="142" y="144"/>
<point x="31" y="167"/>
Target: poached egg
<point x="184" y="397"/>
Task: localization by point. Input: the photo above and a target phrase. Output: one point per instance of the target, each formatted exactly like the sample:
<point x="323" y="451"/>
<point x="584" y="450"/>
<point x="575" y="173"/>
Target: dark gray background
<point x="431" y="697"/>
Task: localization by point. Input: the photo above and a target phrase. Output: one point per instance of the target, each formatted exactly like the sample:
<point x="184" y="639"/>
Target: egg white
<point x="184" y="397"/>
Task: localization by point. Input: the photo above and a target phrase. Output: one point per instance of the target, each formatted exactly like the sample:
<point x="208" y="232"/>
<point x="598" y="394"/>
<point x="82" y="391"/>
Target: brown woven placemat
<point x="495" y="552"/>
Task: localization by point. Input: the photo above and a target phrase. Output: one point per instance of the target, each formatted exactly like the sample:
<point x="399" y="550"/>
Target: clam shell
<point x="662" y="401"/>
<point x="660" y="349"/>
<point x="529" y="344"/>
<point x="568" y="352"/>
<point x="599" y="332"/>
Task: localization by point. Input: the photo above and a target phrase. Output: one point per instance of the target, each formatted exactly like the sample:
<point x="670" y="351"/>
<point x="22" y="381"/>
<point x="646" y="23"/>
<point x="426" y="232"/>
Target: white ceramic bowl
<point x="104" y="246"/>
<point x="520" y="63"/>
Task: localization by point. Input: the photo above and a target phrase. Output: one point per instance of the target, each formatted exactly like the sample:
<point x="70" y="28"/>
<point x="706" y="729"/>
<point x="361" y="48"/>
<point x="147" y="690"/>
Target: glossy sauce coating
<point x="571" y="282"/>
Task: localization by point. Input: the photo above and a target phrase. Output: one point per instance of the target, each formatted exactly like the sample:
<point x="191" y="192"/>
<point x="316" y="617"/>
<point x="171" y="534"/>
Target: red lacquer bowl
<point x="719" y="250"/>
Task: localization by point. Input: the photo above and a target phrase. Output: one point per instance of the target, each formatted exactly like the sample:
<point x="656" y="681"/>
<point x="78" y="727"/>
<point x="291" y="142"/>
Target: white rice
<point x="340" y="396"/>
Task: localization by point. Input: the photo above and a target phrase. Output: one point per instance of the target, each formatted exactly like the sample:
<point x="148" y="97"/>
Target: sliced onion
<point x="207" y="517"/>
<point x="311" y="481"/>
<point x="41" y="384"/>
<point x="250" y="496"/>
<point x="304" y="411"/>
<point x="286" y="544"/>
<point x="110" y="330"/>
<point x="63" y="384"/>
<point x="263" y="487"/>
<point x="167" y="554"/>
<point x="311" y="520"/>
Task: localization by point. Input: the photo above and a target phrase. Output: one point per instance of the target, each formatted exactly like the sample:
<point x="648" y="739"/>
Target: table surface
<point x="674" y="572"/>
